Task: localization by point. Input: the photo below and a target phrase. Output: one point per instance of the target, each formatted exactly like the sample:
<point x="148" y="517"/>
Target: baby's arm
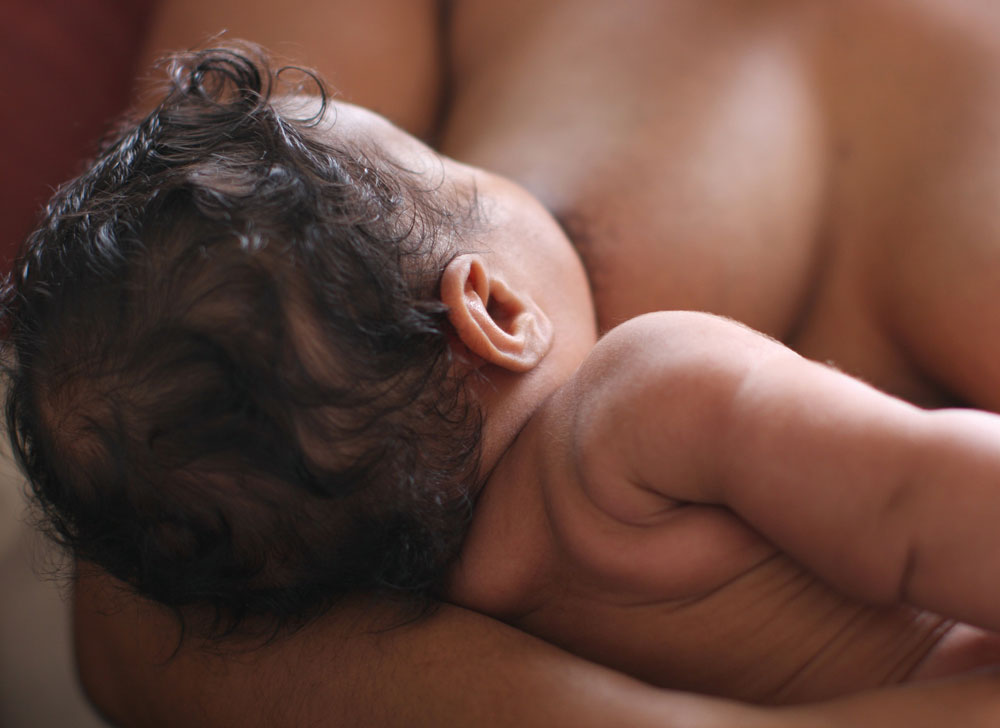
<point x="884" y="500"/>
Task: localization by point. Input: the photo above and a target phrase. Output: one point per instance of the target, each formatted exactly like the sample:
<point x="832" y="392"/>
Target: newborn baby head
<point x="246" y="347"/>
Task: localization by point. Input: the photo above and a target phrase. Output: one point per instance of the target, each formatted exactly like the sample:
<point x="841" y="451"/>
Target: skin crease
<point x="805" y="167"/>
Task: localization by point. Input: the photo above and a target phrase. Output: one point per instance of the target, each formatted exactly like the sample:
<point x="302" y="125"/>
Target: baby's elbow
<point x="887" y="564"/>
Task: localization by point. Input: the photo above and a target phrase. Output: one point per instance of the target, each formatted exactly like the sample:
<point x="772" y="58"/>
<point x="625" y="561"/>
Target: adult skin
<point x="456" y="668"/>
<point x="799" y="166"/>
<point x="825" y="172"/>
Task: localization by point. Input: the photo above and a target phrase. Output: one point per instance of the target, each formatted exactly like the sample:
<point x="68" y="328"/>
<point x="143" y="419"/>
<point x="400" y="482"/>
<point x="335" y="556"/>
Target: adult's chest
<point x="682" y="149"/>
<point x="778" y="163"/>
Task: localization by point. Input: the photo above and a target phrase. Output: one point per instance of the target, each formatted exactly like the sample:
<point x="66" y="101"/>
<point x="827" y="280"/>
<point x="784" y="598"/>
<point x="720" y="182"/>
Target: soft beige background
<point x="38" y="687"/>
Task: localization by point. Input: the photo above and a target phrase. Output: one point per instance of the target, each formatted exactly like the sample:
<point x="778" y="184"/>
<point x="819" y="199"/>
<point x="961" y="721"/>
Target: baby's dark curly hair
<point x="229" y="371"/>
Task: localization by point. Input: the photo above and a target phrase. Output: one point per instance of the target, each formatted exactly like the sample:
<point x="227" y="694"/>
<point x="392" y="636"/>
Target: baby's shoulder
<point x="669" y="340"/>
<point x="564" y="509"/>
<point x="655" y="392"/>
<point x="668" y="361"/>
<point x="581" y="449"/>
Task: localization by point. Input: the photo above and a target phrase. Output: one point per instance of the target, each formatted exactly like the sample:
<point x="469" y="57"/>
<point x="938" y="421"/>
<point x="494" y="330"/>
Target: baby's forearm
<point x="885" y="500"/>
<point x="948" y="512"/>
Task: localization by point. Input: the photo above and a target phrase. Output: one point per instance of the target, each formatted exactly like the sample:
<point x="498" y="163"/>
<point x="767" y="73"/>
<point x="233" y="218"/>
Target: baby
<point x="268" y="351"/>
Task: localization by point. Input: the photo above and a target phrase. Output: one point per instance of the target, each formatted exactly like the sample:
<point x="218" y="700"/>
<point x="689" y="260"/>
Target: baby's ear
<point x="496" y="323"/>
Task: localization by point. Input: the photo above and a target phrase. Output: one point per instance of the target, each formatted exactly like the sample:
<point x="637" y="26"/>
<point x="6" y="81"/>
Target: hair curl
<point x="229" y="372"/>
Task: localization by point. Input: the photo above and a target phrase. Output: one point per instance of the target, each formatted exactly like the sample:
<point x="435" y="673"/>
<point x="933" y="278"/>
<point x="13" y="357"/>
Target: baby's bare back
<point x="825" y="172"/>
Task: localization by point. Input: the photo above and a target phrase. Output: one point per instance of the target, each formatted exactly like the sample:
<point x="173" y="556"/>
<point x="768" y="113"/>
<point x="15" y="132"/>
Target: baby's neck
<point x="508" y="401"/>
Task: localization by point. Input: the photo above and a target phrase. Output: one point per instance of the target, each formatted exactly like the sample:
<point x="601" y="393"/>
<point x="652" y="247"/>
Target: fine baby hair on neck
<point x="229" y="375"/>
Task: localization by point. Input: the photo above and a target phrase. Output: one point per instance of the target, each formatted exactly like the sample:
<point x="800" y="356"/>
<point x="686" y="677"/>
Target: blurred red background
<point x="67" y="68"/>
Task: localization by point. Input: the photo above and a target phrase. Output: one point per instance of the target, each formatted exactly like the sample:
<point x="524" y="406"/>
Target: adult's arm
<point x="386" y="55"/>
<point x="456" y="668"/>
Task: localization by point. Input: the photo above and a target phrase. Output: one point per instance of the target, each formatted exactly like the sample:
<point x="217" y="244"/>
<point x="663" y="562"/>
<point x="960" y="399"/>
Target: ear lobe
<point x="496" y="323"/>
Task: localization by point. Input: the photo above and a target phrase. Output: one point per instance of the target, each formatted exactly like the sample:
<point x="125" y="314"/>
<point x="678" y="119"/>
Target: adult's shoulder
<point x="386" y="55"/>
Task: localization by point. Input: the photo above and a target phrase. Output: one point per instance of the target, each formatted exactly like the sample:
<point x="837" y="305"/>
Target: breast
<point x="681" y="148"/>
